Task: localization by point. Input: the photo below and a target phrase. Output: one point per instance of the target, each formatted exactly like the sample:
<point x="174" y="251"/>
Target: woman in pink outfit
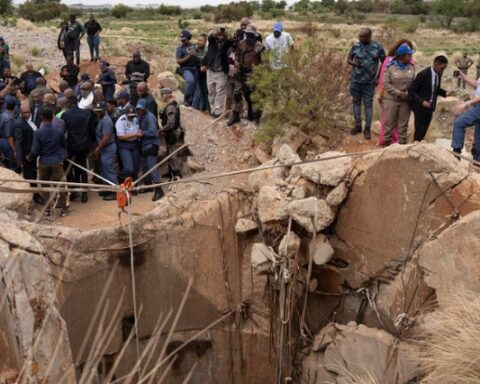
<point x="381" y="77"/>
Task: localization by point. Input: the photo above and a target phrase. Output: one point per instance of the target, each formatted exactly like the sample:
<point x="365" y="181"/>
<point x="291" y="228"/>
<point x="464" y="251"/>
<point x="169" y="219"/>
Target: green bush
<point x="197" y="15"/>
<point x="6" y="7"/>
<point x="448" y="10"/>
<point x="169" y="10"/>
<point x="35" y="10"/>
<point x="409" y="7"/>
<point x="467" y="25"/>
<point x="233" y="12"/>
<point x="121" y="11"/>
<point x="307" y="94"/>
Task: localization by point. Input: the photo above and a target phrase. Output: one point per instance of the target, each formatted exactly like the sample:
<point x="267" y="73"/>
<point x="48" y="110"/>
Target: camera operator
<point x="468" y="115"/>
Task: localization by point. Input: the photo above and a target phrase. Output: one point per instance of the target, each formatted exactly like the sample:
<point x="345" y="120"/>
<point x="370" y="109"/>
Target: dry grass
<point x="26" y="25"/>
<point x="349" y="378"/>
<point x="450" y="341"/>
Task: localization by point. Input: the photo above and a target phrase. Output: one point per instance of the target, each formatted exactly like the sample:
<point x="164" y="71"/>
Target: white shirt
<point x="32" y="124"/>
<point x="278" y="47"/>
<point x="125" y="127"/>
<point x="434" y="76"/>
<point x="477" y="93"/>
<point x="86" y="102"/>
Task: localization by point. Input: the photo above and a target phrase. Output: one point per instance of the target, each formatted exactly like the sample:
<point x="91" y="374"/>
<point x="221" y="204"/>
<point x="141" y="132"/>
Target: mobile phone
<point x="456" y="73"/>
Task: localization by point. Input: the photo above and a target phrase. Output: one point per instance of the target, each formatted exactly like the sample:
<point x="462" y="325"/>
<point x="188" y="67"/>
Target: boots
<point x="357" y="129"/>
<point x="234" y="118"/>
<point x="84" y="197"/>
<point x="158" y="194"/>
<point x="367" y="134"/>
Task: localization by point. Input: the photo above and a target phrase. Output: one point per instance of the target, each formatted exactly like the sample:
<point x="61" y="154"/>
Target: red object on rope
<point x="124" y="196"/>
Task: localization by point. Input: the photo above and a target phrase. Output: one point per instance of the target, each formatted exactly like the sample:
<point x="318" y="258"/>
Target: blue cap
<point x="141" y="104"/>
<point x="123" y="95"/>
<point x="185" y="35"/>
<point x="278" y="27"/>
<point x="404" y="49"/>
<point x="85" y="77"/>
<point x="100" y="106"/>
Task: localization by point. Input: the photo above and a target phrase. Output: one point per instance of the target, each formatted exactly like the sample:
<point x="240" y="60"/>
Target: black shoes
<point x="109" y="196"/>
<point x="356" y="130"/>
<point x="367" y="134"/>
<point x="38" y="199"/>
<point x="158" y="194"/>
<point x="84" y="197"/>
<point x="235" y="118"/>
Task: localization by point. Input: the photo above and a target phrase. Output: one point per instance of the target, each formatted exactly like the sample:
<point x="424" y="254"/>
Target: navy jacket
<point x="49" y="144"/>
<point x="80" y="127"/>
<point x="149" y="127"/>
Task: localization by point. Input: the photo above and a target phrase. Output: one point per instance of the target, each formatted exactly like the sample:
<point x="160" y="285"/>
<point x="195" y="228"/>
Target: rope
<point x="159" y="164"/>
<point x="132" y="271"/>
<point x="90" y="172"/>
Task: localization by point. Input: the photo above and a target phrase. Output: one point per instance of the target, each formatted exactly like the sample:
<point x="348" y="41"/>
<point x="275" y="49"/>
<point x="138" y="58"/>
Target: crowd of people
<point x="47" y="133"/>
<point x="402" y="91"/>
<point x="57" y="134"/>
<point x="217" y="68"/>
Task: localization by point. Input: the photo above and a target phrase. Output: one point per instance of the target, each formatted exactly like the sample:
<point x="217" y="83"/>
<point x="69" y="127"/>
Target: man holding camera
<point x="365" y="58"/>
<point x="217" y="68"/>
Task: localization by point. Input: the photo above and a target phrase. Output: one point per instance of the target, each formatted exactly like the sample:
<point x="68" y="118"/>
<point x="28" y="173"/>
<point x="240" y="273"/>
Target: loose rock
<point x="337" y="195"/>
<point x="245" y="225"/>
<point x="321" y="250"/>
<point x="272" y="205"/>
<point x="312" y="214"/>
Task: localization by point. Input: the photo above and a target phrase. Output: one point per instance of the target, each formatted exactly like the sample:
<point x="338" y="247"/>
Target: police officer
<point x="128" y="135"/>
<point x="106" y="149"/>
<point x="149" y="143"/>
<point x="172" y="130"/>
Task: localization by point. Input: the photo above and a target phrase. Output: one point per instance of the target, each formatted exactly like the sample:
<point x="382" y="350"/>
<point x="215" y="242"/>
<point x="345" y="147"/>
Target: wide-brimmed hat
<point x="251" y="29"/>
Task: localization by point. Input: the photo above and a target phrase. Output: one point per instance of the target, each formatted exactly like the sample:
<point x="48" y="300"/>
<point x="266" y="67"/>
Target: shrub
<point x="121" y="11"/>
<point x="305" y="95"/>
<point x="35" y="51"/>
<point x="36" y="10"/>
<point x="169" y="10"/>
<point x="233" y="11"/>
<point x="448" y="9"/>
<point x="468" y="25"/>
<point x="183" y="24"/>
<point x="197" y="15"/>
<point x="6" y="7"/>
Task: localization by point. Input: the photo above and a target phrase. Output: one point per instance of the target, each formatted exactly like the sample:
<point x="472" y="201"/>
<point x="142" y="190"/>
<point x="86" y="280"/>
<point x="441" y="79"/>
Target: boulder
<point x="286" y="155"/>
<point x="244" y="226"/>
<point x="452" y="261"/>
<point x="359" y="351"/>
<point x="168" y="80"/>
<point x="271" y="176"/>
<point x="289" y="245"/>
<point x="326" y="172"/>
<point x="262" y="258"/>
<point x="398" y="200"/>
<point x="261" y="156"/>
<point x="320" y="249"/>
<point x="319" y="142"/>
<point x="337" y="195"/>
<point x="14" y="201"/>
<point x="312" y="214"/>
<point x="272" y="205"/>
<point x="194" y="164"/>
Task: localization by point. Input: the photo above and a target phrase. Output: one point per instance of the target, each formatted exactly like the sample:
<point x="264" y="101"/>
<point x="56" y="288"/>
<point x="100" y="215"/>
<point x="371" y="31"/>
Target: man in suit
<point x="23" y="132"/>
<point x="423" y="94"/>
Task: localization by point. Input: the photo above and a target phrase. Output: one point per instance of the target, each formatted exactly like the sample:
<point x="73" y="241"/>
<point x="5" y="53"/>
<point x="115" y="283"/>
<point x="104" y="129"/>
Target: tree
<point x="340" y="7"/>
<point x="449" y="9"/>
<point x="121" y="11"/>
<point x="41" y="10"/>
<point x="5" y="6"/>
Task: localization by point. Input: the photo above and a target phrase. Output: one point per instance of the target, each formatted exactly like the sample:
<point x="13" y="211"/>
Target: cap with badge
<point x="165" y="91"/>
<point x="185" y="35"/>
<point x="130" y="112"/>
<point x="405" y="49"/>
<point x="100" y="106"/>
<point x="123" y="95"/>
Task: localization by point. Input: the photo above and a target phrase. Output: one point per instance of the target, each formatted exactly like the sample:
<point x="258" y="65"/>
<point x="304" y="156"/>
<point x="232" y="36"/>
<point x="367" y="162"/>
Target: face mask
<point x="401" y="65"/>
<point x="84" y="93"/>
<point x="251" y="40"/>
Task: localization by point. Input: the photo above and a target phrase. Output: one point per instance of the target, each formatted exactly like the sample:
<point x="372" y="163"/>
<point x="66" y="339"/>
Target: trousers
<point x="107" y="163"/>
<point x="129" y="152"/>
<point x="190" y="77"/>
<point x="397" y="113"/>
<point x="216" y="82"/>
<point x="52" y="172"/>
<point x="423" y="118"/>
<point x="470" y="118"/>
<point x="362" y="93"/>
<point x="94" y="46"/>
